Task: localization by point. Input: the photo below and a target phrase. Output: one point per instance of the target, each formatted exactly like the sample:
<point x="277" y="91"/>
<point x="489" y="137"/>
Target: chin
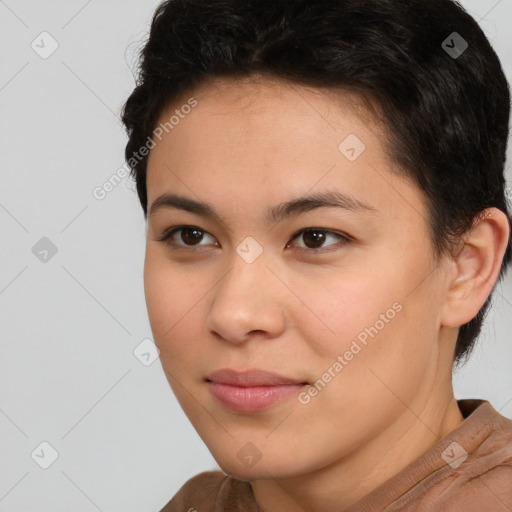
<point x="259" y="468"/>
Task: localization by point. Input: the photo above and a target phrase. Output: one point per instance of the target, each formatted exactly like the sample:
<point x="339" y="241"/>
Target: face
<point x="287" y="244"/>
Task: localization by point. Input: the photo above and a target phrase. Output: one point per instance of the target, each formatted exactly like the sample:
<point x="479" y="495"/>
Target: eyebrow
<point x="275" y="214"/>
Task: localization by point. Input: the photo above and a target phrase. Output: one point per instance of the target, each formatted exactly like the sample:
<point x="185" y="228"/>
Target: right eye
<point x="186" y="236"/>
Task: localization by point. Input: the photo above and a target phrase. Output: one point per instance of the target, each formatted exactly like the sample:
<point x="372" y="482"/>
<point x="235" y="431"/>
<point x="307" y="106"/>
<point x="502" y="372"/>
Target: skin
<point x="251" y="145"/>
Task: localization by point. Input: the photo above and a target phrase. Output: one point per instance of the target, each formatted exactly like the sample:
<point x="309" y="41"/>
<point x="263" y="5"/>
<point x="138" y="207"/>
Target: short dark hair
<point x="446" y="107"/>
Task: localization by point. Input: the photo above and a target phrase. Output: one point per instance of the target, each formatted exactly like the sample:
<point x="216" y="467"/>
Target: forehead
<point x="254" y="114"/>
<point x="257" y="94"/>
<point x="246" y="133"/>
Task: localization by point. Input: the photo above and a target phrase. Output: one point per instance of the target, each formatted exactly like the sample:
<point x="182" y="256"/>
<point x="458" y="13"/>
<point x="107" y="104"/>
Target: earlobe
<point x="477" y="263"/>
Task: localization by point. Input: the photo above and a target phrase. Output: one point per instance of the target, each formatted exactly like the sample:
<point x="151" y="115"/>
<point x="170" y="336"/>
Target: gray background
<point x="69" y="325"/>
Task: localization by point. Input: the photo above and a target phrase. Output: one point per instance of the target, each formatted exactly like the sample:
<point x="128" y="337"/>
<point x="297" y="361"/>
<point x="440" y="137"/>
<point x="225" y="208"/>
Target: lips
<point x="251" y="390"/>
<point x="251" y="378"/>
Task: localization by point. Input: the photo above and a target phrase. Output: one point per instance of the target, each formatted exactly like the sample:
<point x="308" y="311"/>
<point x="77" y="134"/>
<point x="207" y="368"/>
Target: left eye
<point x="316" y="238"/>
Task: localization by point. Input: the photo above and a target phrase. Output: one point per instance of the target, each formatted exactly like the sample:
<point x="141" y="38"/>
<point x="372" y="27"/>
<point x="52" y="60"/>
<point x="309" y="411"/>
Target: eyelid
<point x="325" y="230"/>
<point x="342" y="236"/>
<point x="169" y="232"/>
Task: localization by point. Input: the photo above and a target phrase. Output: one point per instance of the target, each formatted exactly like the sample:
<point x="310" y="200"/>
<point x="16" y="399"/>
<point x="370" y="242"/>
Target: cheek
<point x="336" y="308"/>
<point x="380" y="321"/>
<point x="174" y="300"/>
<point x="386" y="339"/>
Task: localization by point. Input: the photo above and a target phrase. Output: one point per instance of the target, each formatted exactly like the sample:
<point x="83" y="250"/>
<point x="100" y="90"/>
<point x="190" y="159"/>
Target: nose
<point x="248" y="301"/>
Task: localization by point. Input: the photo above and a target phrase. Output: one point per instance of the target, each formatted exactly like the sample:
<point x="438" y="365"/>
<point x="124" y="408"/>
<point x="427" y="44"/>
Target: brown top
<point x="468" y="470"/>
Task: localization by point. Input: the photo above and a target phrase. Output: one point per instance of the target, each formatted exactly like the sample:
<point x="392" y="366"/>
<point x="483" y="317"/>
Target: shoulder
<point x="490" y="491"/>
<point x="197" y="493"/>
<point x="484" y="479"/>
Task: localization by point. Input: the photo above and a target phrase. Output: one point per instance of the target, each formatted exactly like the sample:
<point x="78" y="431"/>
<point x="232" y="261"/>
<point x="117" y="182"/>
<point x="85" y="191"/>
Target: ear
<point x="475" y="268"/>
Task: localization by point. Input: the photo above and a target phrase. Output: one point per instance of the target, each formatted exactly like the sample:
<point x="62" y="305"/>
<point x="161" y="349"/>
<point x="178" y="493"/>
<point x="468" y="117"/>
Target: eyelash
<point x="170" y="232"/>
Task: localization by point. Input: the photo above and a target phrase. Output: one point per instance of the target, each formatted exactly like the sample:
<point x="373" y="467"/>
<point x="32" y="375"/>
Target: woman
<point x="323" y="183"/>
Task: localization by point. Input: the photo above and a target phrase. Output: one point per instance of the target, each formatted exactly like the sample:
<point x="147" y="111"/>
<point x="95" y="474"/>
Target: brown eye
<point x="191" y="236"/>
<point x="318" y="238"/>
<point x="314" y="239"/>
<point x="187" y="236"/>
